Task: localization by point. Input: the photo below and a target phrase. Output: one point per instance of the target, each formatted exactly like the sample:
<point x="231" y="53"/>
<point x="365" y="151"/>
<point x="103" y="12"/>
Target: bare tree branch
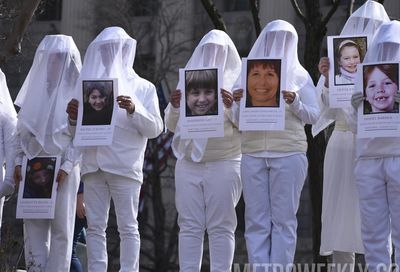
<point x="255" y="11"/>
<point x="213" y="13"/>
<point x="331" y="12"/>
<point x="298" y="11"/>
<point x="350" y="8"/>
<point x="14" y="40"/>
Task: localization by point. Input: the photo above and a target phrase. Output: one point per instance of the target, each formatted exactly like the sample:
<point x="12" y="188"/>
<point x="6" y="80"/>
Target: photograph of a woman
<point x="381" y="82"/>
<point x="263" y="83"/>
<point x="348" y="54"/>
<point x="201" y="92"/>
<point x="39" y="178"/>
<point x="98" y="102"/>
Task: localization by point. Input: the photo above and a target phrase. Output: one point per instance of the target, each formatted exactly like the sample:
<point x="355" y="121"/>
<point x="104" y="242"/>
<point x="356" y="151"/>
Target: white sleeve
<point x="305" y="105"/>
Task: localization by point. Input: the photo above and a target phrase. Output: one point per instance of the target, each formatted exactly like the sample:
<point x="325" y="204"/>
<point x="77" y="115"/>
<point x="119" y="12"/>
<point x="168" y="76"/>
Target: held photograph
<point x="201" y="92"/>
<point x="98" y="98"/>
<point x="263" y="83"/>
<point x="348" y="52"/>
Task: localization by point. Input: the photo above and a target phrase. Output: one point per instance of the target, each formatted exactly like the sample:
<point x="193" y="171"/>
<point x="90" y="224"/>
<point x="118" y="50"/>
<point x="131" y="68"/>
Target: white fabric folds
<point x="215" y="49"/>
<point x="45" y="93"/>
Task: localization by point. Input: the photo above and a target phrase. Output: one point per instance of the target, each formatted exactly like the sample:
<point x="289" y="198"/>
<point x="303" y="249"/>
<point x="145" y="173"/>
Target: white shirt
<point x="125" y="155"/>
<point x="8" y="145"/>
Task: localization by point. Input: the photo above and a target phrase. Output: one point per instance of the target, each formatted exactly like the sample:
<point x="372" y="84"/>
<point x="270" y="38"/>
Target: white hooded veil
<point x="279" y="39"/>
<point x="364" y="21"/>
<point x="111" y="55"/>
<point x="45" y="93"/>
<point x="5" y="98"/>
<point x="215" y="49"/>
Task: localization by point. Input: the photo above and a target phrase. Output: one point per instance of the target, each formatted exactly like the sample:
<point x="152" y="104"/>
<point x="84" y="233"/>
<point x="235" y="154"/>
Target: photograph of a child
<point x="201" y="92"/>
<point x="263" y="83"/>
<point x="39" y="179"/>
<point x="348" y="53"/>
<point x="98" y="101"/>
<point x="380" y="83"/>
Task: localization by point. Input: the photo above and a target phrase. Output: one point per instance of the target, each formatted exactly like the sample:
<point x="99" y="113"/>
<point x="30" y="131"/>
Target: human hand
<point x="323" y="68"/>
<point x="175" y="98"/>
<point x="61" y="178"/>
<point x="356" y="99"/>
<point x="80" y="206"/>
<point x="289" y="96"/>
<point x="397" y="97"/>
<point x="17" y="174"/>
<point x="237" y="95"/>
<point x="126" y="102"/>
<point x="72" y="109"/>
<point x="227" y="98"/>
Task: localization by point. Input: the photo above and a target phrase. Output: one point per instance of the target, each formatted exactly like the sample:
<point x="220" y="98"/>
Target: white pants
<point x="48" y="242"/>
<point x="271" y="191"/>
<point x="206" y="196"/>
<point x="100" y="187"/>
<point x="378" y="182"/>
<point x="343" y="261"/>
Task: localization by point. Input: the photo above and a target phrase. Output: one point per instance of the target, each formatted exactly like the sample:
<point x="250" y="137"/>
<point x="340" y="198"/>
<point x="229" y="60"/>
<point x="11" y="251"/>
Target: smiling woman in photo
<point x="97" y="107"/>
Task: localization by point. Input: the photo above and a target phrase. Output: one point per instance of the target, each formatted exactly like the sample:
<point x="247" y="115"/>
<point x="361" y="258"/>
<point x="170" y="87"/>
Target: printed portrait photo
<point x="380" y="84"/>
<point x="348" y="53"/>
<point x="201" y="92"/>
<point x="98" y="101"/>
<point x="263" y="83"/>
<point x="39" y="177"/>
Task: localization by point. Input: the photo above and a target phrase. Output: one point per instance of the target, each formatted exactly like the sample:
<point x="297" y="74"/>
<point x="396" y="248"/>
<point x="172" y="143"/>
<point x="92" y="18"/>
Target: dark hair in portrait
<point x="343" y="73"/>
<point x="39" y="179"/>
<point x="391" y="71"/>
<point x="97" y="102"/>
<point x="271" y="95"/>
<point x="201" y="94"/>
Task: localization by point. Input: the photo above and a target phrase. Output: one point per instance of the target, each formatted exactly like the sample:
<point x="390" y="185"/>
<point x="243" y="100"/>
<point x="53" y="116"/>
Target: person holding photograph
<point x="262" y="83"/>
<point x="201" y="93"/>
<point x="274" y="163"/>
<point x="340" y="218"/>
<point x="42" y="130"/>
<point x="381" y="83"/>
<point x="348" y="55"/>
<point x="377" y="171"/>
<point x="206" y="201"/>
<point x="115" y="171"/>
<point x="97" y="107"/>
<point x="8" y="120"/>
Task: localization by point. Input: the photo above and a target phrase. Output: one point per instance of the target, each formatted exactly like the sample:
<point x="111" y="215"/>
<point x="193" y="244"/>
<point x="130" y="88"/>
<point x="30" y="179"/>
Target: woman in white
<point x="377" y="171"/>
<point x="341" y="227"/>
<point x="274" y="163"/>
<point x="8" y="121"/>
<point x="207" y="178"/>
<point x="42" y="129"/>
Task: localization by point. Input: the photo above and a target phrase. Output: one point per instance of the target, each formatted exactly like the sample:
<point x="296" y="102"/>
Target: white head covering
<point x="279" y="39"/>
<point x="111" y="55"/>
<point x="215" y="49"/>
<point x="386" y="43"/>
<point x="50" y="84"/>
<point x="364" y="21"/>
<point x="7" y="105"/>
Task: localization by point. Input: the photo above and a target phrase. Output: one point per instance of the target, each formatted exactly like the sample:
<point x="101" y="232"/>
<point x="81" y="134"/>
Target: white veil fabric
<point x="386" y="46"/>
<point x="111" y="55"/>
<point x="45" y="93"/>
<point x="279" y="39"/>
<point x="364" y="21"/>
<point x="5" y="98"/>
<point x="215" y="49"/>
